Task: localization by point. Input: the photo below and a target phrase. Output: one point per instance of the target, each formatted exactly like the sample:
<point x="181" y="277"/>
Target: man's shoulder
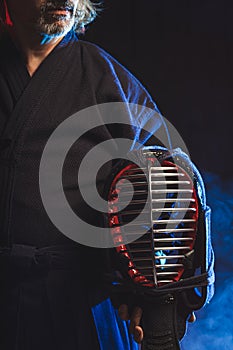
<point x="103" y="60"/>
<point x="95" y="51"/>
<point x="92" y="47"/>
<point x="104" y="68"/>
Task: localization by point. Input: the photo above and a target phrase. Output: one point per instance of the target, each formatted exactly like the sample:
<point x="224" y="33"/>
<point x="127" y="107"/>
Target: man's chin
<point x="57" y="29"/>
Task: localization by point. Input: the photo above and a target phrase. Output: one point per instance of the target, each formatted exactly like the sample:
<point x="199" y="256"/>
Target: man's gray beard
<point x="56" y="29"/>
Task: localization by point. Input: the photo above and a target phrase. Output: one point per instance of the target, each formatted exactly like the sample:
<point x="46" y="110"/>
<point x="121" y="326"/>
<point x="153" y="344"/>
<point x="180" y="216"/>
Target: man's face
<point x="49" y="17"/>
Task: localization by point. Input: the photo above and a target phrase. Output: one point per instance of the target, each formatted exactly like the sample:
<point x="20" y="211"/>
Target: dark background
<point x="182" y="51"/>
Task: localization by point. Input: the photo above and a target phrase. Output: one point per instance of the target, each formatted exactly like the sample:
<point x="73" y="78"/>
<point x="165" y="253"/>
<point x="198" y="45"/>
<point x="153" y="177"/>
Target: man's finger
<point x="138" y="334"/>
<point x="123" y="312"/>
<point x="135" y="319"/>
<point x="192" y="318"/>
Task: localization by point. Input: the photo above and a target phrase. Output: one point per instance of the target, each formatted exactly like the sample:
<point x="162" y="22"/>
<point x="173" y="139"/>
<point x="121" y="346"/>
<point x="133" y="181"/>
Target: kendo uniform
<point x="45" y="294"/>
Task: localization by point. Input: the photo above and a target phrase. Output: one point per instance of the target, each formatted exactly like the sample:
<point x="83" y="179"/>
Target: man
<point x="46" y="75"/>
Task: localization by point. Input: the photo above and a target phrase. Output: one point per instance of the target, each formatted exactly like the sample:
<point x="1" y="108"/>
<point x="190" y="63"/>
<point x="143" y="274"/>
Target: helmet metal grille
<point x="166" y="195"/>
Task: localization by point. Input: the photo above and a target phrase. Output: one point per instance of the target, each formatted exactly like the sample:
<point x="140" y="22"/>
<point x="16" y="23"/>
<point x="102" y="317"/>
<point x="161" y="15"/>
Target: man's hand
<point x="135" y="319"/>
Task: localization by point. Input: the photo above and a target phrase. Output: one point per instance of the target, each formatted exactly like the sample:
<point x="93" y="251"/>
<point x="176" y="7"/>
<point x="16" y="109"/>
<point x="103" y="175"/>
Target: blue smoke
<point x="214" y="327"/>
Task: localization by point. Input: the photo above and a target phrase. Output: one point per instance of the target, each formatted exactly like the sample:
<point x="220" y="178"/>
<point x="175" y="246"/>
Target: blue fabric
<point x="209" y="256"/>
<point x="112" y="331"/>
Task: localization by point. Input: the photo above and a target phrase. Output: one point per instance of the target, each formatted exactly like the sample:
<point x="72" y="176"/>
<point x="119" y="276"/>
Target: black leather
<point x="159" y="323"/>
